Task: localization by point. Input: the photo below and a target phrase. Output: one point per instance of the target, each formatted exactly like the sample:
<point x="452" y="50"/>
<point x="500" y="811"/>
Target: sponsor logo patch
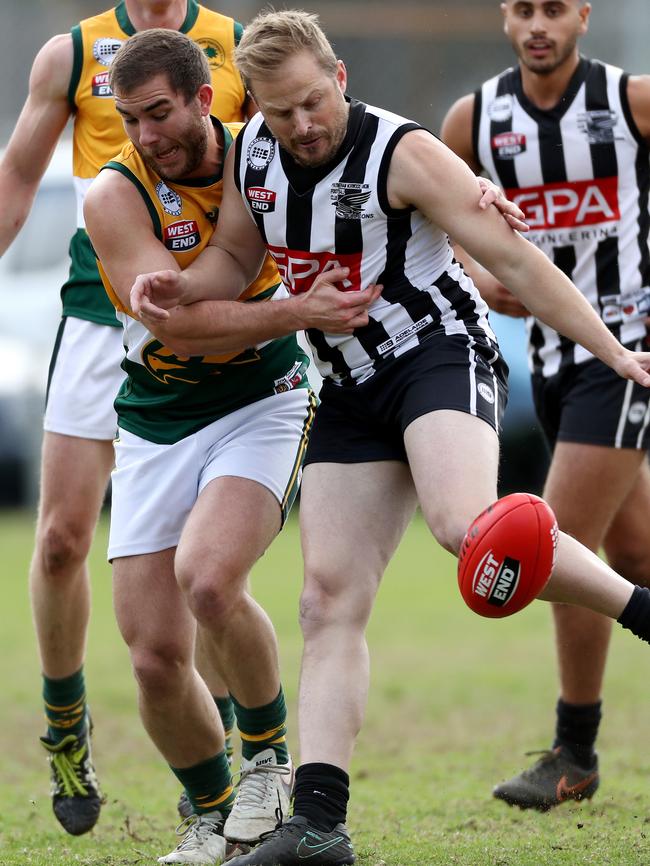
<point x="500" y="109"/>
<point x="397" y="340"/>
<point x="290" y="381"/>
<point x="625" y="308"/>
<point x="260" y="153"/>
<point x="508" y="145"/>
<point x="569" y="204"/>
<point x="299" y="268"/>
<point x="169" y="199"/>
<point x="496" y="581"/>
<point x="100" y="85"/>
<point x="260" y="199"/>
<point x="104" y="50"/>
<point x="213" y="50"/>
<point x="182" y="235"/>
<point x="599" y="126"/>
<point x="636" y="412"/>
<point x="486" y="392"/>
<point x="349" y="200"/>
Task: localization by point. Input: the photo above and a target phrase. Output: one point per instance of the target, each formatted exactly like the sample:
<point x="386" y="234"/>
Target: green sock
<point x="65" y="705"/>
<point x="208" y="784"/>
<point x="227" y="713"/>
<point x="263" y="728"/>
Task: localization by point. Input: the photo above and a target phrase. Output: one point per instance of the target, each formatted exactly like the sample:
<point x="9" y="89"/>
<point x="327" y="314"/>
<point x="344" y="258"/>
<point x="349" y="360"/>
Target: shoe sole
<point x="545" y="807"/>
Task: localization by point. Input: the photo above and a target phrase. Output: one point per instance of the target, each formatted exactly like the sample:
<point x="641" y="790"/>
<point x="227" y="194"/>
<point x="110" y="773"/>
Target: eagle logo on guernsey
<point x="260" y="153"/>
<point x="104" y="50"/>
<point x="349" y="200"/>
<point x="599" y="126"/>
<point x="169" y="199"/>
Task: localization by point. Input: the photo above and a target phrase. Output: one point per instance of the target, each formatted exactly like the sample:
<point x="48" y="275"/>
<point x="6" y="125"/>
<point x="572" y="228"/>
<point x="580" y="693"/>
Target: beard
<point x="550" y="64"/>
<point x="193" y="143"/>
<point x="334" y="139"/>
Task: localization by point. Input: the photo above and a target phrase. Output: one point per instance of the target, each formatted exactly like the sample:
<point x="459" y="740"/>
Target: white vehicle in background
<point x="32" y="272"/>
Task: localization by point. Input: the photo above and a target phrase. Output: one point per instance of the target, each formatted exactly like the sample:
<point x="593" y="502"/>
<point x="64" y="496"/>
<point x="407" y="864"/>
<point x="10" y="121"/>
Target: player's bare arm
<point x="125" y="242"/>
<point x="638" y="94"/>
<point x="456" y="133"/>
<point x="34" y="138"/>
<point x="426" y="174"/>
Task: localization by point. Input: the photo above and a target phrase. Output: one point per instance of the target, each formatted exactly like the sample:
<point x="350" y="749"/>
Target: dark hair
<point x="152" y="52"/>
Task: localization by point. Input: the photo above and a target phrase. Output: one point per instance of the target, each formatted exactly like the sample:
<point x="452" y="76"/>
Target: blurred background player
<point x="567" y="137"/>
<point x="70" y="78"/>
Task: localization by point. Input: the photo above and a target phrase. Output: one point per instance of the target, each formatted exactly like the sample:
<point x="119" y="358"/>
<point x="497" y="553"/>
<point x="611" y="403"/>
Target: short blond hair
<point x="272" y="37"/>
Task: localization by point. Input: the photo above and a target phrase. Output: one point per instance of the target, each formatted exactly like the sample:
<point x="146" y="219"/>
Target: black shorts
<point x="365" y="423"/>
<point x="591" y="404"/>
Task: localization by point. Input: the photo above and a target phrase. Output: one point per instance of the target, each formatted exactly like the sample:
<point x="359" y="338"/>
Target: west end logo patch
<point x="182" y="235"/>
<point x="508" y="145"/>
<point x="349" y="200"/>
<point x="104" y="50"/>
<point x="169" y="199"/>
<point x="260" y="153"/>
<point x="100" y="85"/>
<point x="260" y="199"/>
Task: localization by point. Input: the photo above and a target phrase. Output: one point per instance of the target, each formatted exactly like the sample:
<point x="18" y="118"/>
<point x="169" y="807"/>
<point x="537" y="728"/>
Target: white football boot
<point x="262" y="799"/>
<point x="202" y="843"/>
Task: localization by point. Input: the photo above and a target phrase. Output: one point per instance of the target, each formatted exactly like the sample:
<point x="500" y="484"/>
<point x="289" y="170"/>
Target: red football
<point x="507" y="555"/>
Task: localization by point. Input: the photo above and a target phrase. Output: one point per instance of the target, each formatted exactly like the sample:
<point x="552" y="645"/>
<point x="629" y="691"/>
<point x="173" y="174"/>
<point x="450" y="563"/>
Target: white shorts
<point x="85" y="376"/>
<point x="154" y="487"/>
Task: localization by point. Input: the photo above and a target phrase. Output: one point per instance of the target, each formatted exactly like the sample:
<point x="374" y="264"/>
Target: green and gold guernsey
<point x="166" y="396"/>
<point x="98" y="132"/>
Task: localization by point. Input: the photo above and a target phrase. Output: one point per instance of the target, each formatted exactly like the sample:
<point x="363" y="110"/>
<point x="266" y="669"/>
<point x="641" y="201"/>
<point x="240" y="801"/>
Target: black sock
<point x="576" y="730"/>
<point x="321" y="793"/>
<point x="636" y="616"/>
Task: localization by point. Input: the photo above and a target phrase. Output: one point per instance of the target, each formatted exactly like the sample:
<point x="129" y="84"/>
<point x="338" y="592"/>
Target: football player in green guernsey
<point x="208" y="454"/>
<point x="69" y="78"/>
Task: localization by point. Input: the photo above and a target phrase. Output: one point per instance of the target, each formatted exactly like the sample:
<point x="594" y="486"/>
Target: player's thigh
<point x="587" y="485"/>
<point x="74" y="476"/>
<point x="150" y="609"/>
<point x="454" y="458"/>
<point x="627" y="542"/>
<point x="352" y="517"/>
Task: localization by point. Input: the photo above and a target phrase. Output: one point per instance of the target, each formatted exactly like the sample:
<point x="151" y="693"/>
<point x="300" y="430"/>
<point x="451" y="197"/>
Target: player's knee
<point x="158" y="669"/>
<point x="632" y="562"/>
<point x="62" y="549"/>
<point x="212" y="588"/>
<point x="333" y="600"/>
<point x="448" y="529"/>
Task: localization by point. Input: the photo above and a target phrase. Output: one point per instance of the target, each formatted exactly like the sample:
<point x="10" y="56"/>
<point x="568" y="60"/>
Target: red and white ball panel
<point x="507" y="555"/>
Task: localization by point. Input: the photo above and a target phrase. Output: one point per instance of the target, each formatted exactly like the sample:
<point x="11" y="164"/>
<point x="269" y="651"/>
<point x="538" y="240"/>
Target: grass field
<point x="455" y="702"/>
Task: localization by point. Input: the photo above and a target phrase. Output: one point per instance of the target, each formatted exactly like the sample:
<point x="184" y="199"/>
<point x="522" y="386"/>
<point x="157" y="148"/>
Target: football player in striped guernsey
<point x="69" y="78"/>
<point x="568" y="138"/>
<point x="412" y="401"/>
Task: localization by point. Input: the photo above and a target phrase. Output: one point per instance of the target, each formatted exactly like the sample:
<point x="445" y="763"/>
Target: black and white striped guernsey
<point x="581" y="174"/>
<point x="312" y="219"/>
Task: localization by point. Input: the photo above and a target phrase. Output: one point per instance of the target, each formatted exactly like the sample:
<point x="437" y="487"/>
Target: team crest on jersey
<point x="349" y="200"/>
<point x="599" y="126"/>
<point x="260" y="153"/>
<point x="291" y="379"/>
<point x="182" y="235"/>
<point x="169" y="199"/>
<point x="500" y="109"/>
<point x="104" y="50"/>
<point x="508" y="145"/>
<point x="260" y="199"/>
<point x="100" y="85"/>
<point x="213" y="51"/>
